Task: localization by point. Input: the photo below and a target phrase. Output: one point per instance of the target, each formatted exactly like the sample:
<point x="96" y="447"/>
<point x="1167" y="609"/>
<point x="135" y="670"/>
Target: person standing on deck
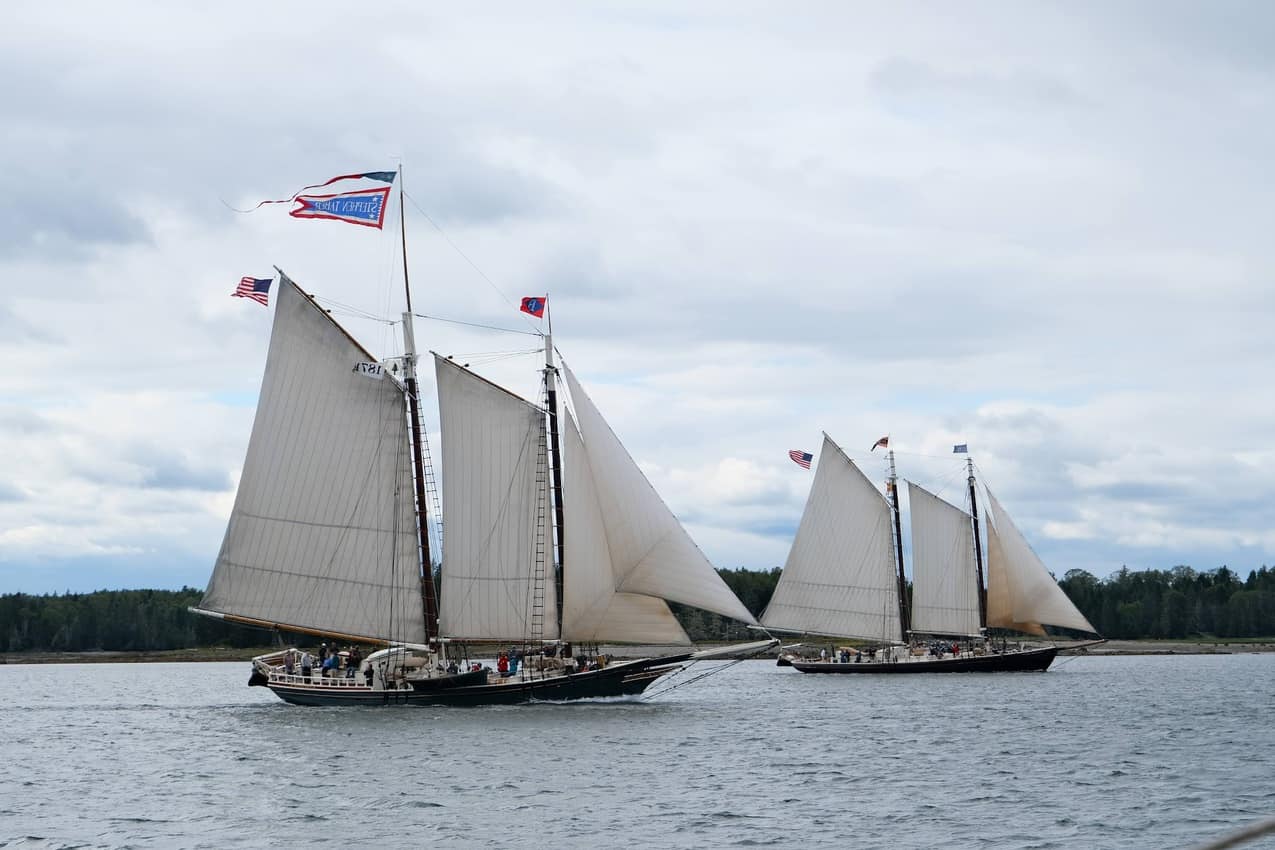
<point x="356" y="658"/>
<point x="307" y="664"/>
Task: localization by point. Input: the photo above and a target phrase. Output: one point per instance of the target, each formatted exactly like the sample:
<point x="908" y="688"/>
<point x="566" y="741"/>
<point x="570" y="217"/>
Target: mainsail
<point x="1021" y="594"/>
<point x="944" y="580"/>
<point x="322" y="536"/>
<point x="493" y="454"/>
<point x="593" y="610"/>
<point x="840" y="575"/>
<point x="650" y="552"/>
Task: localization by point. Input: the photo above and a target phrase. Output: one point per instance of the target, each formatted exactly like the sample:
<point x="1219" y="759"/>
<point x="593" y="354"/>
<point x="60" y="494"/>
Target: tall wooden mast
<point x="978" y="548"/>
<point x="555" y="470"/>
<point x="892" y="486"/>
<point x="429" y="599"/>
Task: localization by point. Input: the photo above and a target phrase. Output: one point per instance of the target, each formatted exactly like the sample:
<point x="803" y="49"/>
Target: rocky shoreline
<point x="218" y="653"/>
<point x="1171" y="647"/>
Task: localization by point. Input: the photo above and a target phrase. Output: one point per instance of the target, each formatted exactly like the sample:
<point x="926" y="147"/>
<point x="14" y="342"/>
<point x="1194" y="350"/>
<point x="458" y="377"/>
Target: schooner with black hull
<point x="554" y="537"/>
<point x="844" y="578"/>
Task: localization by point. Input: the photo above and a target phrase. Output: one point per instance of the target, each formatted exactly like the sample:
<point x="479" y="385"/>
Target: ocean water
<point x="1100" y="752"/>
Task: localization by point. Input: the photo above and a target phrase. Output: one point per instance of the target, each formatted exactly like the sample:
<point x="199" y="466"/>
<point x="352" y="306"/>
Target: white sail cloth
<point x="323" y="531"/>
<point x="944" y="579"/>
<point x="592" y="609"/>
<point x="650" y="552"/>
<point x="493" y="480"/>
<point x="1021" y="594"/>
<point x="840" y="577"/>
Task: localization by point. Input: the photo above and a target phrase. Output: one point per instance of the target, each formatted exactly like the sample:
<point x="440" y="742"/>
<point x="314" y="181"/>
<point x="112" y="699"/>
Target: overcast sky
<point x="1040" y="229"/>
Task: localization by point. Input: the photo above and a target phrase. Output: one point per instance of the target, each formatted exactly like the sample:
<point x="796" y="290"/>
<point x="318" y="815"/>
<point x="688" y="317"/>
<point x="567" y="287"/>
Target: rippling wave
<point x="1098" y="753"/>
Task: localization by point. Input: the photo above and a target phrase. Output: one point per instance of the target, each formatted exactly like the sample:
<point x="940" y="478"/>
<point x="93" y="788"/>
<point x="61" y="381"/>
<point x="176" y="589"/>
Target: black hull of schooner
<point x="1021" y="661"/>
<point x="621" y="679"/>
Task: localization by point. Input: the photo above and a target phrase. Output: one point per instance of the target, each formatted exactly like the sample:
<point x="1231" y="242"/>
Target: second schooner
<point x="844" y="578"/>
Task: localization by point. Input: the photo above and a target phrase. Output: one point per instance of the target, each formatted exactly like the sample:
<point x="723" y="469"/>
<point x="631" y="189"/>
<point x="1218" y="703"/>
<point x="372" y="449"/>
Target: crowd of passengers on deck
<point x="334" y="663"/>
<point x="851" y="655"/>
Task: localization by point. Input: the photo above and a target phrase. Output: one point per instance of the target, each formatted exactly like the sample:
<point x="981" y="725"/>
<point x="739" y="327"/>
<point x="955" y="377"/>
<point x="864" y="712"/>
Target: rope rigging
<point x="672" y="687"/>
<point x="510" y="301"/>
<point x="476" y="325"/>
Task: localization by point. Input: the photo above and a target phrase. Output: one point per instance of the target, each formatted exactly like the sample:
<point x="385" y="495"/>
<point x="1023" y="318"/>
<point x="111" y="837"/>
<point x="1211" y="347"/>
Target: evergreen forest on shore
<point x="1129" y="605"/>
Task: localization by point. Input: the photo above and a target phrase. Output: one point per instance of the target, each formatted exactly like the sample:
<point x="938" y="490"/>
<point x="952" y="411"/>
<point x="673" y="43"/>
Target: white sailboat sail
<point x="840" y="575"/>
<point x="650" y="552"/>
<point x="323" y="532"/>
<point x="592" y="609"/>
<point x="493" y="475"/>
<point x="1021" y="594"/>
<point x="944" y="579"/>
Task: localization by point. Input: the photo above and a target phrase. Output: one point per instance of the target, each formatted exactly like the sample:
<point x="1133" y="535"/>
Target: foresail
<point x="944" y="581"/>
<point x="1021" y="594"/>
<point x="493" y="479"/>
<point x="322" y="536"/>
<point x="651" y="553"/>
<point x="592" y="608"/>
<point x="840" y="576"/>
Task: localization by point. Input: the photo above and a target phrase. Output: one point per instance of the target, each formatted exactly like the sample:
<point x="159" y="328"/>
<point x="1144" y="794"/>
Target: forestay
<point x="650" y="552"/>
<point x="1021" y="594"/>
<point x="323" y="531"/>
<point x="492" y="445"/>
<point x="944" y="580"/>
<point x="592" y="608"/>
<point x="840" y="577"/>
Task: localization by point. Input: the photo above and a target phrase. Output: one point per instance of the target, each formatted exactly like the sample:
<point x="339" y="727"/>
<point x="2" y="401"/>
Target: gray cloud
<point x="64" y="224"/>
<point x="932" y="222"/>
<point x="951" y="91"/>
<point x="17" y="329"/>
<point x="20" y="420"/>
<point x="481" y="194"/>
<point x="178" y="474"/>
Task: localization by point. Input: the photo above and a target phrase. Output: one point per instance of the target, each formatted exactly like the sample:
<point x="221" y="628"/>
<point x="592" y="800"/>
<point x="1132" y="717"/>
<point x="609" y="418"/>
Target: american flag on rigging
<point x="801" y="458"/>
<point x="258" y="289"/>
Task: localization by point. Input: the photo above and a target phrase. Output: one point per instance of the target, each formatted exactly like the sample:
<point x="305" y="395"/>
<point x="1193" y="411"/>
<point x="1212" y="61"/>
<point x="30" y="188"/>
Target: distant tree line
<point x="753" y="587"/>
<point x="115" y="620"/>
<point x="1174" y="603"/>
